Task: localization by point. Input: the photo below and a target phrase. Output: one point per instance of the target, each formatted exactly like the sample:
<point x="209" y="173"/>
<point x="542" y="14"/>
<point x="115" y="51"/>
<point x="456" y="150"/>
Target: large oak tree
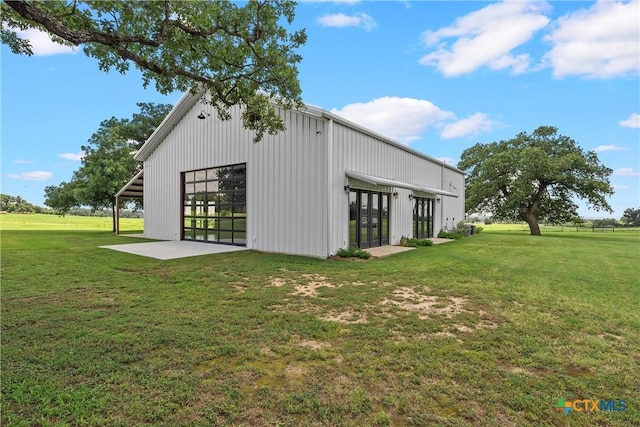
<point x="534" y="177"/>
<point x="240" y="52"/>
<point x="107" y="163"/>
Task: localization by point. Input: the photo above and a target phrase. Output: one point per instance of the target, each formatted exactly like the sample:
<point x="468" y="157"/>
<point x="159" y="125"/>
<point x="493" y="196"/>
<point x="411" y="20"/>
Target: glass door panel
<point x="384" y="220"/>
<point x="365" y="235"/>
<point x="375" y="220"/>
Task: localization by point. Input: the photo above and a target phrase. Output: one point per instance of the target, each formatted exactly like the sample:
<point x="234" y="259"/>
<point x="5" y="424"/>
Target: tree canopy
<point x="108" y="163"/>
<point x="239" y="52"/>
<point x="17" y="204"/>
<point x="534" y="177"/>
<point x="631" y="217"/>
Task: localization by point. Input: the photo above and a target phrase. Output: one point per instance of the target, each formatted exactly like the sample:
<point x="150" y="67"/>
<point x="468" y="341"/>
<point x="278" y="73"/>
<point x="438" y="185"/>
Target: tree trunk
<point x="533" y="223"/>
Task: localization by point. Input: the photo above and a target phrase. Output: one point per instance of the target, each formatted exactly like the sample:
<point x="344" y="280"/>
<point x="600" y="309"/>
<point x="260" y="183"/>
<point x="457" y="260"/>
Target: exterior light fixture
<point x="395" y="194"/>
<point x="438" y="200"/>
<point x="202" y="115"/>
<point x="410" y="196"/>
<point x="347" y="188"/>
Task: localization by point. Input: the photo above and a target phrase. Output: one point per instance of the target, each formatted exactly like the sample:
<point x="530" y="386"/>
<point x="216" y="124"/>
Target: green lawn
<point x="489" y="330"/>
<point x="55" y="222"/>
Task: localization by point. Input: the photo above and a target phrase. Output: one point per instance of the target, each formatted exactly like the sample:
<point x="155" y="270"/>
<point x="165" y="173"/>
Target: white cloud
<point x="598" y="42"/>
<point x="472" y="125"/>
<point x="486" y="37"/>
<point x="360" y="20"/>
<point x="401" y="119"/>
<point x="41" y="43"/>
<point x="625" y="172"/>
<point x="72" y="156"/>
<point x="632" y="122"/>
<point x="601" y="148"/>
<point x="31" y="176"/>
<point x="23" y="162"/>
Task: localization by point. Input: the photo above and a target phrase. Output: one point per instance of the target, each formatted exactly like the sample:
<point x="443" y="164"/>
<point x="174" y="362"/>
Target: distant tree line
<point x="630" y="218"/>
<point x="16" y="204"/>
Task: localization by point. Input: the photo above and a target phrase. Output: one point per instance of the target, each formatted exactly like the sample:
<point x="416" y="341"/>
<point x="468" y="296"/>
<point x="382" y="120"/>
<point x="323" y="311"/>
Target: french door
<point x="368" y="218"/>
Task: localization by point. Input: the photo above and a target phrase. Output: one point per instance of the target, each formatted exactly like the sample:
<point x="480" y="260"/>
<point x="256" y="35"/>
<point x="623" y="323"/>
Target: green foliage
<point x="463" y="228"/>
<point x="108" y="162"/>
<point x="242" y="53"/>
<point x="414" y="243"/>
<point x="450" y="235"/>
<point x="488" y="221"/>
<point x="353" y="252"/>
<point x="17" y="204"/>
<point x="534" y="177"/>
<point x="61" y="198"/>
<point x="631" y="217"/>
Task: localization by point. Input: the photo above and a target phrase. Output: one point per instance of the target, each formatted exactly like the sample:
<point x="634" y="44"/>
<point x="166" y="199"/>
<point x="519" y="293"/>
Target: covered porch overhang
<point x="134" y="189"/>
<point x="384" y="182"/>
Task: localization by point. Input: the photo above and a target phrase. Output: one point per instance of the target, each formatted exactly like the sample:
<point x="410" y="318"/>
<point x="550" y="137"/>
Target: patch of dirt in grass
<point x="277" y="281"/>
<point x="410" y="300"/>
<point x="316" y="282"/>
<point x="312" y="344"/>
<point x="295" y="370"/>
<point x="240" y="287"/>
<point x="578" y="371"/>
<point x="266" y="351"/>
<point x="609" y="336"/>
<point x="348" y="316"/>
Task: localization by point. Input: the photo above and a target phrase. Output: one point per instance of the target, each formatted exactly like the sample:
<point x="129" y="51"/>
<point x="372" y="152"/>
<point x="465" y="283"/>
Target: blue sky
<point x="437" y="76"/>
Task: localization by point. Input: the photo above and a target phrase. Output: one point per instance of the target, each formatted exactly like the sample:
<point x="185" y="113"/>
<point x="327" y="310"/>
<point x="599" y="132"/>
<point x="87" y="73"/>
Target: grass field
<point x="489" y="330"/>
<point x="55" y="222"/>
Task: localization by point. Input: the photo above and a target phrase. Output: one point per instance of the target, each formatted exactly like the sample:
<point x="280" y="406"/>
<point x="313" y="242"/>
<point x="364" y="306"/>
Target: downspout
<point x="330" y="212"/>
<point x="441" y="197"/>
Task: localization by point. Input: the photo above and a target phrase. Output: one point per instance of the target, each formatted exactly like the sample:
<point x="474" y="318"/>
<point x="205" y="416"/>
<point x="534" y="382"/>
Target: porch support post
<point x="117" y="213"/>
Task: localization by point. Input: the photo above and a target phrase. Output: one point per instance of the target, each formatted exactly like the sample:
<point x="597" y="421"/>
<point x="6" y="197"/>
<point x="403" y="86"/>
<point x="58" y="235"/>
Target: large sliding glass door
<point x="423" y="213"/>
<point x="215" y="205"/>
<point x="368" y="218"/>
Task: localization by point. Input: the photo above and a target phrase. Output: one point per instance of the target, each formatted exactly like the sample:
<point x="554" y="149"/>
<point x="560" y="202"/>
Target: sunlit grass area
<point x="68" y="222"/>
<point x="488" y="330"/>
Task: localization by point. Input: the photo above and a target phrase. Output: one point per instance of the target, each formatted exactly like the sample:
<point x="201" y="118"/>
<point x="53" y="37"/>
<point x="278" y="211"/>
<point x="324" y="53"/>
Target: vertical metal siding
<point x="358" y="152"/>
<point x="285" y="194"/>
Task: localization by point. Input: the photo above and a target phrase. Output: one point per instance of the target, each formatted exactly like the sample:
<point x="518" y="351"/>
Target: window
<point x="215" y="205"/>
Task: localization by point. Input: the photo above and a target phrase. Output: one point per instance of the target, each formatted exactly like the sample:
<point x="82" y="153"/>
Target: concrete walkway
<point x="173" y="249"/>
<point x="382" y="251"/>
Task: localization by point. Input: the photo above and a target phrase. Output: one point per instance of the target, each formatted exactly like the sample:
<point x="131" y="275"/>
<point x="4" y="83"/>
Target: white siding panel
<point x="352" y="150"/>
<point x="285" y="175"/>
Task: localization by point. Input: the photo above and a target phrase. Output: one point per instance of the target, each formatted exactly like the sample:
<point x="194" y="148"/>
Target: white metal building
<point x="323" y="184"/>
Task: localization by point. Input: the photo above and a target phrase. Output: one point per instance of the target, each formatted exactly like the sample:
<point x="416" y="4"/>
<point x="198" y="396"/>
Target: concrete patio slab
<point x="382" y="251"/>
<point x="173" y="249"/>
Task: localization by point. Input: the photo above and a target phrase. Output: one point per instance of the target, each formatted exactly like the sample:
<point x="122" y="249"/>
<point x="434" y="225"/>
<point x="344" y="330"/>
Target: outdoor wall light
<point x="202" y="115"/>
<point x="410" y="196"/>
<point x="347" y="188"/>
<point x="395" y="194"/>
<point x="438" y="200"/>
